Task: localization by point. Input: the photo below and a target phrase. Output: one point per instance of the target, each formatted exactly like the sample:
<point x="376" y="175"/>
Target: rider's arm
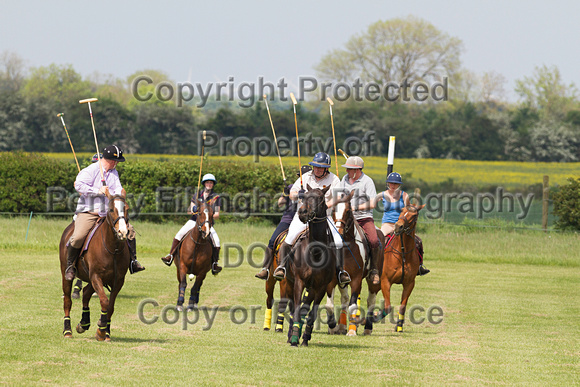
<point x="216" y="212"/>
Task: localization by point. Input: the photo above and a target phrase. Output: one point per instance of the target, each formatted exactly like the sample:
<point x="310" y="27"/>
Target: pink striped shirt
<point x="88" y="183"/>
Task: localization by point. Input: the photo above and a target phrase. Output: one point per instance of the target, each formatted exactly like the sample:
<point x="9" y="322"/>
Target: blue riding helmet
<point x="321" y="160"/>
<point x="394" y="177"/>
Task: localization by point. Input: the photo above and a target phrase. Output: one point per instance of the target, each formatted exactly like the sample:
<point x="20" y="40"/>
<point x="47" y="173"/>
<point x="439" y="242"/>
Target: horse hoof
<point x="351" y="333"/>
<point x="304" y="343"/>
<point x="68" y="335"/>
<point x="76" y="295"/>
<point x="107" y="338"/>
<point x="368" y="332"/>
<point x="80" y="329"/>
<point x="278" y="330"/>
<point x="100" y="336"/>
<point x="333" y="331"/>
<point x="179" y="308"/>
<point x="191" y="308"/>
<point x="266" y="329"/>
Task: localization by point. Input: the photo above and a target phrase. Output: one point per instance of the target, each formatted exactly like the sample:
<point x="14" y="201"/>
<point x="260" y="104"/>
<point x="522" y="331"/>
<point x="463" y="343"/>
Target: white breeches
<point x="191" y="224"/>
<point x="296" y="227"/>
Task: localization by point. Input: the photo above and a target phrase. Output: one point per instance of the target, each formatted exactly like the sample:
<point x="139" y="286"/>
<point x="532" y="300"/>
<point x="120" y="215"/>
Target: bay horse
<point x="104" y="264"/>
<point x="193" y="255"/>
<point x="400" y="265"/>
<point x="312" y="268"/>
<point x="355" y="251"/>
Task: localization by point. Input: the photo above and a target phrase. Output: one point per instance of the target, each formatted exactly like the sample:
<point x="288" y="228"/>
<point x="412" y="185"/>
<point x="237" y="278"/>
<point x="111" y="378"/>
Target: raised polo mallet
<point x="391" y="155"/>
<point x="342" y="153"/>
<point x="333" y="138"/>
<point x="275" y="141"/>
<point x="88" y="101"/>
<point x="201" y="162"/>
<point x="69" y="141"/>
<point x="297" y="139"/>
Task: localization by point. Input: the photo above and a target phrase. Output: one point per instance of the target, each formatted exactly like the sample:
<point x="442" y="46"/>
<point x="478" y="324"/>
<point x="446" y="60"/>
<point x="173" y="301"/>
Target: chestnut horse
<point x="104" y="263"/>
<point x="193" y="255"/>
<point x="313" y="265"/>
<point x="270" y="287"/>
<point x="355" y="250"/>
<point x="400" y="265"/>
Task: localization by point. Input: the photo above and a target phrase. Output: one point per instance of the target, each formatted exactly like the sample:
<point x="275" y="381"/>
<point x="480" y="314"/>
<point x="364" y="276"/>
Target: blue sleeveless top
<point x="392" y="210"/>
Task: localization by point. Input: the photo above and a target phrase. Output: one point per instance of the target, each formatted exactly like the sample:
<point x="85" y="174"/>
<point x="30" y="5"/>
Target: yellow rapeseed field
<point x="508" y="174"/>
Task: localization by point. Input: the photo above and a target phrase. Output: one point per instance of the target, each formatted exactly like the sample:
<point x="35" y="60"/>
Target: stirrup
<point x="279" y="277"/>
<point x="262" y="277"/>
<point x="423" y="270"/>
<point x="69" y="270"/>
<point x="343" y="283"/>
<point x="170" y="259"/>
<point x="136" y="268"/>
<point x="215" y="269"/>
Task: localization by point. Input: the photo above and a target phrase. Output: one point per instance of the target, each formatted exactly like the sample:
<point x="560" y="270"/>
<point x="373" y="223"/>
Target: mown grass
<point x="509" y="300"/>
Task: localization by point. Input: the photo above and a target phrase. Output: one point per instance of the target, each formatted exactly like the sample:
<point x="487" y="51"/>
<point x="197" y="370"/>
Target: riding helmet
<point x="113" y="152"/>
<point x="321" y="160"/>
<point x="354" y="162"/>
<point x="394" y="177"/>
<point x="208" y="177"/>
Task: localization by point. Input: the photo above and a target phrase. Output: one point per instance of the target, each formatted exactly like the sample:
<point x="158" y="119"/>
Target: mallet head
<point x="88" y="100"/>
<point x="293" y="99"/>
<point x="60" y="114"/>
<point x="330" y="101"/>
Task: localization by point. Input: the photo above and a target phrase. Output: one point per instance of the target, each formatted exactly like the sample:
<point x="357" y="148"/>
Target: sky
<point x="211" y="41"/>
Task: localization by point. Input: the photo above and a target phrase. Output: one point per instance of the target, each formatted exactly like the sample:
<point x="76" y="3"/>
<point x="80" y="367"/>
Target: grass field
<point x="509" y="299"/>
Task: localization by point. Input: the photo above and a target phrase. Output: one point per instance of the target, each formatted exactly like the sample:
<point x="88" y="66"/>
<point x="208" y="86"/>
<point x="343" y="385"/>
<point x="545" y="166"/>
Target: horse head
<point x="408" y="219"/>
<point x="313" y="205"/>
<point x="204" y="220"/>
<point x="343" y="218"/>
<point x="117" y="216"/>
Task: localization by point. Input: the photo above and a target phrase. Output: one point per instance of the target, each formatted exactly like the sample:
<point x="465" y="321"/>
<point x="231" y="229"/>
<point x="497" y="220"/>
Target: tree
<point x="394" y="50"/>
<point x="567" y="205"/>
<point x="60" y="84"/>
<point x="12" y="71"/>
<point x="546" y="92"/>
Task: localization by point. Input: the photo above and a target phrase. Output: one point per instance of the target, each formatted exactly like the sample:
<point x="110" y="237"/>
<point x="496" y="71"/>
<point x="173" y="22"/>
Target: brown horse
<point x="313" y="266"/>
<point x="193" y="255"/>
<point x="270" y="287"/>
<point x="104" y="263"/>
<point x="355" y="250"/>
<point x="400" y="265"/>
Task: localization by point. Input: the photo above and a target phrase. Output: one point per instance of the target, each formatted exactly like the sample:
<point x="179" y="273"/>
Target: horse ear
<point x="123" y="193"/>
<point x="419" y="208"/>
<point x="350" y="195"/>
<point x="308" y="187"/>
<point x="325" y="190"/>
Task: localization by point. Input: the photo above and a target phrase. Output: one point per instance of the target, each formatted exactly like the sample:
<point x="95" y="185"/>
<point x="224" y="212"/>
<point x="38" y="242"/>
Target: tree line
<point x="475" y="123"/>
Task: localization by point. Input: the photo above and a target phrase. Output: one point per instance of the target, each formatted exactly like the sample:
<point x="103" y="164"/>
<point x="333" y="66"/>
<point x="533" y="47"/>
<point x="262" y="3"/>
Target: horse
<point x="312" y="268"/>
<point x="193" y="255"/>
<point x="355" y="250"/>
<point x="270" y="287"/>
<point x="400" y="265"/>
<point x="104" y="263"/>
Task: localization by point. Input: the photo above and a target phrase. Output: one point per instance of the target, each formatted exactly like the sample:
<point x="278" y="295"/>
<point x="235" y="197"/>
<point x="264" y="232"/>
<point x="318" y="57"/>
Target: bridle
<point x="408" y="226"/>
<point x="346" y="225"/>
<point x="111" y="211"/>
<point x="313" y="213"/>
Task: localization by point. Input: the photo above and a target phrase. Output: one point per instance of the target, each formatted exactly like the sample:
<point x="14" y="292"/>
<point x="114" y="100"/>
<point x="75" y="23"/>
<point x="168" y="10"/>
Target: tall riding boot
<point x="168" y="259"/>
<point x="134" y="266"/>
<point x="373" y="272"/>
<point x="72" y="254"/>
<point x="343" y="277"/>
<point x="284" y="252"/>
<point x="265" y="272"/>
<point x="419" y="246"/>
<point x="215" y="268"/>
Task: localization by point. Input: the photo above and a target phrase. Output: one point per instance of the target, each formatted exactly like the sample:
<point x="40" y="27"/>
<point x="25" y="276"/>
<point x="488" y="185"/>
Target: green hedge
<point x="31" y="181"/>
<point x="567" y="205"/>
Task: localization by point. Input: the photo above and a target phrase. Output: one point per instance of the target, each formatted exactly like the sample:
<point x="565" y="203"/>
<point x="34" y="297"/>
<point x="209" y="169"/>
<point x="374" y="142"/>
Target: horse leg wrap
<point x="384" y="314"/>
<point x="352" y="322"/>
<point x="331" y="321"/>
<point x="280" y="322"/>
<point x="369" y="321"/>
<point x="102" y="327"/>
<point x="400" y="323"/>
<point x="295" y="334"/>
<point x="181" y="297"/>
<point x="342" y="318"/>
<point x="307" y="333"/>
<point x="85" y="322"/>
<point x="268" y="319"/>
<point x="67" y="331"/>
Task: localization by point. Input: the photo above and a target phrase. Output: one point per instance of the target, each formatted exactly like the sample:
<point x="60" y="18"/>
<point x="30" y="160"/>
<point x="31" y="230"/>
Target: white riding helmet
<point x="208" y="177"/>
<point x="354" y="162"/>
